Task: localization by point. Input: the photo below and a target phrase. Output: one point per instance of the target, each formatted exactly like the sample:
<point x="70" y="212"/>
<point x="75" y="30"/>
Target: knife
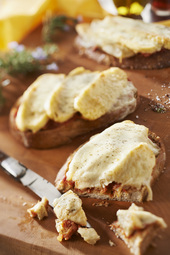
<point x="30" y="179"/>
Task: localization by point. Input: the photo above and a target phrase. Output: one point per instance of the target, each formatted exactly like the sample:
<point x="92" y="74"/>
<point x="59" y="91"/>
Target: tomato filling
<point x="111" y="189"/>
<point x="68" y="229"/>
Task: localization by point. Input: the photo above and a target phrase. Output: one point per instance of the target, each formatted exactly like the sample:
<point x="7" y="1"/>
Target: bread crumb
<point x="134" y="226"/>
<point x="111" y="243"/>
<point x="101" y="203"/>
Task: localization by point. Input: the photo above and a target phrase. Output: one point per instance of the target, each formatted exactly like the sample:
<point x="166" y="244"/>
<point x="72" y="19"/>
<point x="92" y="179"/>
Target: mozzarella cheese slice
<point x="122" y="153"/>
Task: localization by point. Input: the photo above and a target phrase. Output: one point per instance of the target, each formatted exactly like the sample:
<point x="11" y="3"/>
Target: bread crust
<point x="144" y="237"/>
<point x="120" y="193"/>
<point x="63" y="133"/>
<point x="157" y="60"/>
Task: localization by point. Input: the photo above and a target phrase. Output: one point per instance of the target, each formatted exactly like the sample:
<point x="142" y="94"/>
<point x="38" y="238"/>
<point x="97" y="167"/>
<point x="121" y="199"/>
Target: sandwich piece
<point x="121" y="163"/>
<point x="137" y="228"/>
<point x="56" y="108"/>
<point x="125" y="43"/>
<point x="72" y="218"/>
<point x="40" y="209"/>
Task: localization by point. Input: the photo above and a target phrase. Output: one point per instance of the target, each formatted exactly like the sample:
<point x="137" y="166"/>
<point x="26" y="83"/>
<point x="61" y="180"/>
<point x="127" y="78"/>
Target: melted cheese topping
<point x="98" y="98"/>
<point x="59" y="97"/>
<point x="122" y="153"/>
<point x="124" y="37"/>
<point x="89" y="235"/>
<point x="31" y="113"/>
<point x="60" y="106"/>
<point x="69" y="207"/>
<point x="136" y="218"/>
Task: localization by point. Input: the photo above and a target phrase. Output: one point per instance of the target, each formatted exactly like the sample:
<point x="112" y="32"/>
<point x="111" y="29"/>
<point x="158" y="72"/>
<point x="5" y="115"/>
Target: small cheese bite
<point x="89" y="235"/>
<point x="40" y="209"/>
<point x="69" y="207"/>
<point x="72" y="218"/>
<point x="137" y="228"/>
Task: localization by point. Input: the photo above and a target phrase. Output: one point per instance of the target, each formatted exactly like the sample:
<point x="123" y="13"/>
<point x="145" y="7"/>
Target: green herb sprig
<point x="52" y="25"/>
<point x="21" y="60"/>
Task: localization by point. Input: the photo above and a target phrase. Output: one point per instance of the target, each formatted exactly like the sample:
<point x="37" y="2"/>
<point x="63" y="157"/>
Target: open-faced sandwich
<point x="57" y="107"/>
<point x="120" y="163"/>
<point x="137" y="228"/>
<point x="125" y="42"/>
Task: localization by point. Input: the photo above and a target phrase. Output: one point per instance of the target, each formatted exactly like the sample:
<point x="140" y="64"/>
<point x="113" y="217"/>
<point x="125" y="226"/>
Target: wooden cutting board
<point x="19" y="234"/>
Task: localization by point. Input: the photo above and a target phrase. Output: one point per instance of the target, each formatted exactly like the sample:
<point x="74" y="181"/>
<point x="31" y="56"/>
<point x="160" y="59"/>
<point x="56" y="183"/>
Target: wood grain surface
<point x="20" y="234"/>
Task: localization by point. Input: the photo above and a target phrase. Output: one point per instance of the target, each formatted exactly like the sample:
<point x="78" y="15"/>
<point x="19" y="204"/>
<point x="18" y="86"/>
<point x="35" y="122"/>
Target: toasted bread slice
<point x="121" y="163"/>
<point x="125" y="43"/>
<point x="137" y="228"/>
<point x="97" y="100"/>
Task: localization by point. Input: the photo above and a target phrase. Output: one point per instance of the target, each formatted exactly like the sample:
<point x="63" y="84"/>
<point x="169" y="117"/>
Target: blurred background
<point x="18" y="17"/>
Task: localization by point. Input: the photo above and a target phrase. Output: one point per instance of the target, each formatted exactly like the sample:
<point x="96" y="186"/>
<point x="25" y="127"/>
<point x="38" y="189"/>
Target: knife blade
<point x="29" y="178"/>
